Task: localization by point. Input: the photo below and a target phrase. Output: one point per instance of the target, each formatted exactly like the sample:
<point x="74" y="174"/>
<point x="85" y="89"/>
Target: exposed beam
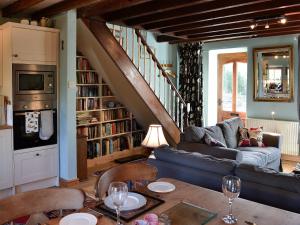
<point x="105" y="6"/>
<point x="274" y="8"/>
<point x="166" y="38"/>
<point x="232" y="27"/>
<point x="149" y="8"/>
<point x="199" y="9"/>
<point x="19" y="6"/>
<point x="64" y="6"/>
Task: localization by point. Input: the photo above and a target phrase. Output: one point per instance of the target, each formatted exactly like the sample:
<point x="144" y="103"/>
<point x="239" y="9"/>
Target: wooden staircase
<point x="97" y="43"/>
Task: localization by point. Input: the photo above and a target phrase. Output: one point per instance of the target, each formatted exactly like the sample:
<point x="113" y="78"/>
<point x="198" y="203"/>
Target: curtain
<point x="191" y="82"/>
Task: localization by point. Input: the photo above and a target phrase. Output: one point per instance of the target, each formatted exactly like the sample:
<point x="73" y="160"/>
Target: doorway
<point x="232" y="85"/>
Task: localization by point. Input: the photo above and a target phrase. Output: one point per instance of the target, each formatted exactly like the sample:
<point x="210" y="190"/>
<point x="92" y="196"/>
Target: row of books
<point x="91" y="131"/>
<point x="87" y="78"/>
<point x="87" y="91"/>
<point x="137" y="138"/>
<point x="109" y="146"/>
<point x="114" y="114"/>
<point x="115" y="128"/>
<point x="135" y="125"/>
<point x="83" y="64"/>
<point x="106" y="91"/>
<point x="87" y="104"/>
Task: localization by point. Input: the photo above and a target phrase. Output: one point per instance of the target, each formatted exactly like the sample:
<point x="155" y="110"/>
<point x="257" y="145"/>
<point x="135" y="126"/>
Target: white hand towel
<point x="46" y="125"/>
<point x="31" y="122"/>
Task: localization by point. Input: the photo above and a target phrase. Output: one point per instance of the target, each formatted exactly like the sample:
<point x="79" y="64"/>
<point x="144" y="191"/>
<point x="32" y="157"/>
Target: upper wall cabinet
<point x="31" y="44"/>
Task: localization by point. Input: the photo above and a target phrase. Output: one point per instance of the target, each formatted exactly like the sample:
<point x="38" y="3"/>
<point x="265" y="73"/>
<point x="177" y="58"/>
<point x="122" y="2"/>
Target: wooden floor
<point x="288" y="166"/>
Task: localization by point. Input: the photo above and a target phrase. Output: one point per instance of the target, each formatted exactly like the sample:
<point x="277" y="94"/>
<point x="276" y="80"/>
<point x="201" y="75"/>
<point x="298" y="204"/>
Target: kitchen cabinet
<point x="6" y="159"/>
<point x="30" y="44"/>
<point x="35" y="165"/>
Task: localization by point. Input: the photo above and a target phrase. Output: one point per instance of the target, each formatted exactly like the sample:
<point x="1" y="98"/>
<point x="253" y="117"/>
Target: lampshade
<point x="155" y="137"/>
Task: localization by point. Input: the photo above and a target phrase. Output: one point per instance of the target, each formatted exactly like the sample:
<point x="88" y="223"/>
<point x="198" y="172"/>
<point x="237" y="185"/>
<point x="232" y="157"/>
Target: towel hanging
<point x="46" y="124"/>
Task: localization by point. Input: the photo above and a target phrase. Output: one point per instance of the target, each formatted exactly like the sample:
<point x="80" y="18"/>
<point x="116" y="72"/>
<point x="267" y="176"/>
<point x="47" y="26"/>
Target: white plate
<point x="161" y="187"/>
<point x="134" y="201"/>
<point x="79" y="219"/>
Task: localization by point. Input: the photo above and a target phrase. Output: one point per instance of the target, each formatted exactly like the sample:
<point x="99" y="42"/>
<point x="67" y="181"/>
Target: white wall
<point x="66" y="22"/>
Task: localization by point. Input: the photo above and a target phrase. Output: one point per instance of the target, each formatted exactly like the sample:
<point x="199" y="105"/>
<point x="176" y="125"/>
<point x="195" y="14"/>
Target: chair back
<point x="125" y="172"/>
<point x="43" y="200"/>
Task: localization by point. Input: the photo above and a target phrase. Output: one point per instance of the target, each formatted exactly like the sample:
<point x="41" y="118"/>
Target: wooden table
<point x="214" y="201"/>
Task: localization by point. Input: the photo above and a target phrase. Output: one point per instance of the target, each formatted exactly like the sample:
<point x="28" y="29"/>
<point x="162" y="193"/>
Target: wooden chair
<point x="36" y="202"/>
<point x="125" y="172"/>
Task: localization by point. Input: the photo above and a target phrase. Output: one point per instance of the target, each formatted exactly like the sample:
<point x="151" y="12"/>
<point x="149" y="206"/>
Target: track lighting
<point x="267" y="25"/>
<point x="283" y="20"/>
<point x="252" y="26"/>
<point x="266" y="21"/>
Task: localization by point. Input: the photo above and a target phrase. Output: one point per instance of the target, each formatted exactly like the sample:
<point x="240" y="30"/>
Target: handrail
<point x="159" y="65"/>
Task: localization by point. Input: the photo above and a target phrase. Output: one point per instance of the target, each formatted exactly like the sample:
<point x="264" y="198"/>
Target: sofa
<point x="227" y="135"/>
<point x="260" y="184"/>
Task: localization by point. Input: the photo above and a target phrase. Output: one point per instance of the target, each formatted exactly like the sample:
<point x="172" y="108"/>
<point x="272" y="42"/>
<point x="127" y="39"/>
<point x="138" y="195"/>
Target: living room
<point x="117" y="74"/>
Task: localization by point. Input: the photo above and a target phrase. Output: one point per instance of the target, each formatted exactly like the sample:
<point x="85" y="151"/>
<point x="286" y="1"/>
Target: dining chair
<point x="126" y="172"/>
<point x="34" y="203"/>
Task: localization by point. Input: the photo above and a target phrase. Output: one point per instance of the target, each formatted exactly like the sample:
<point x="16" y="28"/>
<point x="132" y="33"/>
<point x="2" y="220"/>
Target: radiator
<point x="288" y="129"/>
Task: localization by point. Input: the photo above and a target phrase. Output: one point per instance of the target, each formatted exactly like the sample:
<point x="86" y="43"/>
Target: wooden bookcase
<point x="111" y="130"/>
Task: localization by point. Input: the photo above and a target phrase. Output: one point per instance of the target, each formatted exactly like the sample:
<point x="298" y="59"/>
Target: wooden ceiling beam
<point x="149" y="8"/>
<point x="106" y="6"/>
<point x="232" y="27"/>
<point x="64" y="6"/>
<point x="201" y="8"/>
<point x="274" y="8"/>
<point x="18" y="7"/>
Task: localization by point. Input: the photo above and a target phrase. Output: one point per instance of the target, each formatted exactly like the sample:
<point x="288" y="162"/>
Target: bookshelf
<point x="110" y="128"/>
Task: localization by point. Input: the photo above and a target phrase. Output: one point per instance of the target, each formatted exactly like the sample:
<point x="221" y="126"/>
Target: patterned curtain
<point x="190" y="82"/>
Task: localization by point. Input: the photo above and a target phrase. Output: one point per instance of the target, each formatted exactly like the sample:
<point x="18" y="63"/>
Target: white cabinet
<point x="35" y="165"/>
<point x="6" y="159"/>
<point x="26" y="44"/>
<point x="33" y="45"/>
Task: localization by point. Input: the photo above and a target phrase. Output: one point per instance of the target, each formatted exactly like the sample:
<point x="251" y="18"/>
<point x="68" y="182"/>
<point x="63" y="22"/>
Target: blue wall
<point x="283" y="111"/>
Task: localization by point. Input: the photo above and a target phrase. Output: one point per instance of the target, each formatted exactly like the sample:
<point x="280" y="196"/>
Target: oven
<point x="24" y="140"/>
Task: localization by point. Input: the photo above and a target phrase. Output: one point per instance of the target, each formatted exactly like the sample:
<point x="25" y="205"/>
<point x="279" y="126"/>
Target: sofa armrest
<point x="218" y="152"/>
<point x="272" y="139"/>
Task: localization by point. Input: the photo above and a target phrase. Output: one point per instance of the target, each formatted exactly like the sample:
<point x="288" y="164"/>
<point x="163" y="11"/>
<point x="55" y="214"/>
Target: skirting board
<point x="68" y="183"/>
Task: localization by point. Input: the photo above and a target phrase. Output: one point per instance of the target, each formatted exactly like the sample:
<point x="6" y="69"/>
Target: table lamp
<point x="155" y="137"/>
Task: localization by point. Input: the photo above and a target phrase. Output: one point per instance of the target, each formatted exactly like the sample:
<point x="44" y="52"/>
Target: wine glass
<point x="231" y="186"/>
<point x="118" y="192"/>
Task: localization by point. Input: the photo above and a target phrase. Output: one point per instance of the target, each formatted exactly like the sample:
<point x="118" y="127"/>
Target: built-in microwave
<point x="34" y="79"/>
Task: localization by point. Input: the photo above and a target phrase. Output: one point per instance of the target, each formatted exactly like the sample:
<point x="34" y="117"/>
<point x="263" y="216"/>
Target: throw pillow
<point x="209" y="140"/>
<point x="244" y="138"/>
<point x="194" y="134"/>
<point x="256" y="136"/>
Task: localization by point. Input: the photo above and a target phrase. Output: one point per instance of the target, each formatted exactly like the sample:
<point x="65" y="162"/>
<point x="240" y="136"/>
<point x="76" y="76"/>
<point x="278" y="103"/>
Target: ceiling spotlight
<point x="283" y="20"/>
<point x="252" y="26"/>
<point x="284" y="56"/>
<point x="276" y="56"/>
<point x="267" y="25"/>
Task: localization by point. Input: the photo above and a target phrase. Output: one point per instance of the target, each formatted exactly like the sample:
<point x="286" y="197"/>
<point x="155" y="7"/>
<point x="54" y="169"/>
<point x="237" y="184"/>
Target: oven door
<point x="24" y="140"/>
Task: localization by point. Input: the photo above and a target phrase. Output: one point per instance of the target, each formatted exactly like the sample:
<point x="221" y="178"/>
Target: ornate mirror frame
<point x="273" y="89"/>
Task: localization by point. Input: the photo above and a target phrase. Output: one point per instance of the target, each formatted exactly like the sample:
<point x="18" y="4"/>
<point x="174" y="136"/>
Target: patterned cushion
<point x="251" y="137"/>
<point x="194" y="134"/>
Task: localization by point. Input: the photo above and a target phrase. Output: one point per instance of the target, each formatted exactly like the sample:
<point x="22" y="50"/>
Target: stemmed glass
<point x="118" y="192"/>
<point x="231" y="186"/>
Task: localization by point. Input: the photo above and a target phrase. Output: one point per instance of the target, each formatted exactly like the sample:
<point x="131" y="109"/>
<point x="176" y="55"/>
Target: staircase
<point x="132" y="69"/>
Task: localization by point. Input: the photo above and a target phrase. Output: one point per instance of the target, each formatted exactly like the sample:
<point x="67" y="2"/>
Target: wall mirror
<point x="273" y="74"/>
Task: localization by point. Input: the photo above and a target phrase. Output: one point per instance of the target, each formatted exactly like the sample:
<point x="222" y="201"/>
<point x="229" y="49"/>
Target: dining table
<point x="247" y="212"/>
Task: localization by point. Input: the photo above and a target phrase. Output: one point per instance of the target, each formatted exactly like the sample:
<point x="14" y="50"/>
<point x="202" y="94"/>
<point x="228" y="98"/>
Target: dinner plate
<point x="134" y="201"/>
<point x="79" y="219"/>
<point x="161" y="187"/>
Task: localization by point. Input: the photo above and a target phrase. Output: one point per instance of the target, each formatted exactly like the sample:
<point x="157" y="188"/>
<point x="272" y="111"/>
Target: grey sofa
<point x="227" y="133"/>
<point x="259" y="184"/>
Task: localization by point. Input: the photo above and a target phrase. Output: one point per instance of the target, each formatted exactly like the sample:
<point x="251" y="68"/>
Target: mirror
<point x="273" y="74"/>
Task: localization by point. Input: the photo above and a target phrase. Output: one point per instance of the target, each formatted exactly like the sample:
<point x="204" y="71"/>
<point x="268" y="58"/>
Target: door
<point x="232" y="85"/>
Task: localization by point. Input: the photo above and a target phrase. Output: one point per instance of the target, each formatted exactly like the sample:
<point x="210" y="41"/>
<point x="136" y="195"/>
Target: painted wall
<point x="67" y="97"/>
<point x="283" y="111"/>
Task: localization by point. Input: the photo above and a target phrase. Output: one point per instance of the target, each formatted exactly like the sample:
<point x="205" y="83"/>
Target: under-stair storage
<point x="109" y="127"/>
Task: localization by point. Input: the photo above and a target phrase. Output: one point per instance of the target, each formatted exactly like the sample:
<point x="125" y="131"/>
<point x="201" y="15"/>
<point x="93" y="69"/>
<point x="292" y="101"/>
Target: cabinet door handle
<point x="15" y="55"/>
<point x="37" y="154"/>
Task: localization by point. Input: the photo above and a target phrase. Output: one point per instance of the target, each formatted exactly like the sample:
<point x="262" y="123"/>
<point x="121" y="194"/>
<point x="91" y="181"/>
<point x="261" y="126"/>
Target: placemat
<point x="126" y="216"/>
<point x="193" y="214"/>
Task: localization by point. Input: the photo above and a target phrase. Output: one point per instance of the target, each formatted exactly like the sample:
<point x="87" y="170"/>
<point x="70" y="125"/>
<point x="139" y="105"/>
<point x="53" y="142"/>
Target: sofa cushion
<point x="194" y="134"/>
<point x="195" y="160"/>
<point x="268" y="177"/>
<point x="269" y="154"/>
<point x="216" y="133"/>
<point x="212" y="142"/>
<point x="230" y="130"/>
